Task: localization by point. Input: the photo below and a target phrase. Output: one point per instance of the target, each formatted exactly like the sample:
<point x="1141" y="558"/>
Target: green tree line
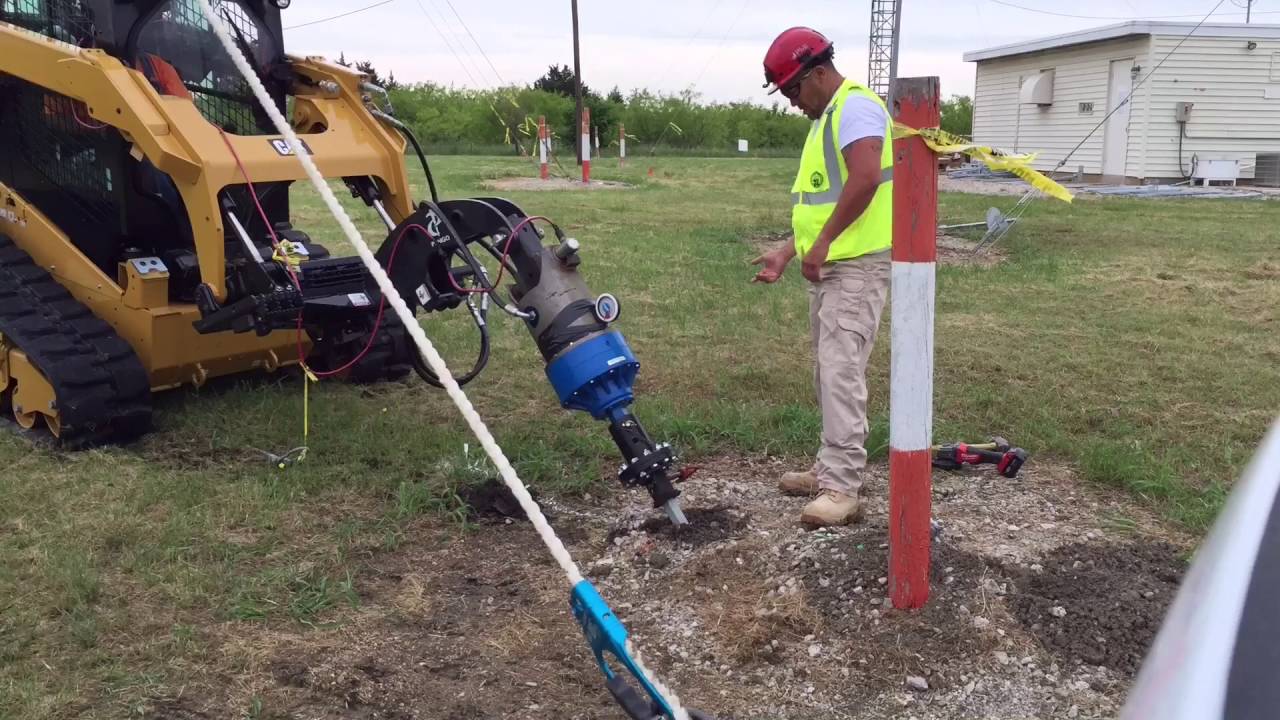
<point x="460" y="119"/>
<point x="447" y="119"/>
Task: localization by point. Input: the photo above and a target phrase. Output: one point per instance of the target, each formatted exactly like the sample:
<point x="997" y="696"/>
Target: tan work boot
<point x="799" y="483"/>
<point x="832" y="508"/>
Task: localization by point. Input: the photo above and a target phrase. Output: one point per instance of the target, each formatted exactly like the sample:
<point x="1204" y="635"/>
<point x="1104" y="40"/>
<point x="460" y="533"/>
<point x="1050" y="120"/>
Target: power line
<point x="460" y="43"/>
<point x="477" y="44"/>
<point x="448" y="43"/>
<point x="723" y="38"/>
<point x="341" y="15"/>
<point x="689" y="41"/>
<point x="1109" y="17"/>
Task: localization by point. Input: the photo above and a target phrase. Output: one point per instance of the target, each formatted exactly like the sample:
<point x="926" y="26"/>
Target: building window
<point x="1086" y="108"/>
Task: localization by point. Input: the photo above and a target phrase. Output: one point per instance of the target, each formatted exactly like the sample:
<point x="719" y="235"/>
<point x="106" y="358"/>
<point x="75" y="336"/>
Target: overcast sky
<point x="714" y="46"/>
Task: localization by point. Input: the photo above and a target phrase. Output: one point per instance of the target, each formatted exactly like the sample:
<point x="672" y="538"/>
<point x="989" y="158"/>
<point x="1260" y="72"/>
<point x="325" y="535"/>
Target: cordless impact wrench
<point x="1008" y="460"/>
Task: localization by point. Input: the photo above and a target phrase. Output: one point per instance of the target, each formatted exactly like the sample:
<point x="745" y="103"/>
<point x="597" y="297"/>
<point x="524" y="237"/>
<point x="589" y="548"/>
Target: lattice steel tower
<point x="883" y="50"/>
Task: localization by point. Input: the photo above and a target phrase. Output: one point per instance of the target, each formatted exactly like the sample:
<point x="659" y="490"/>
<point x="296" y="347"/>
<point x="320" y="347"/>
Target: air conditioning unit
<point x="1207" y="171"/>
<point x="1267" y="171"/>
<point x="1037" y="89"/>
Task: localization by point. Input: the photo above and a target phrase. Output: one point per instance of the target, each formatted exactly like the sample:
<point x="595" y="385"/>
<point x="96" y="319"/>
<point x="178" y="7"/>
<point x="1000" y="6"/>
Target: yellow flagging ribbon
<point x="308" y="377"/>
<point x="944" y="143"/>
<point x="289" y="253"/>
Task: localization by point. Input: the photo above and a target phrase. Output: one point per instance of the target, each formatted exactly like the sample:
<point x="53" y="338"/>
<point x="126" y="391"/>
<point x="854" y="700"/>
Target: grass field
<point x="1135" y="340"/>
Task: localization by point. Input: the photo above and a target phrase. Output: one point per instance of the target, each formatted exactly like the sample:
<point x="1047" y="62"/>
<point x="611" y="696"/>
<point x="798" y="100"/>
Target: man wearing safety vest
<point x="842" y="215"/>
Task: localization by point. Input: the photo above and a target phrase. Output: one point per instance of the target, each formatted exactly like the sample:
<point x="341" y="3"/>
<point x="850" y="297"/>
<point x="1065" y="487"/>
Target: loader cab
<point x="173" y="46"/>
<point x="112" y="25"/>
<point x="80" y="172"/>
<point x="169" y="41"/>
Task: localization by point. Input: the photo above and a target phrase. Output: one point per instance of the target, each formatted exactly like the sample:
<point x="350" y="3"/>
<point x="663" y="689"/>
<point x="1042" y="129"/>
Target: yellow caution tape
<point x="506" y="129"/>
<point x="944" y="143"/>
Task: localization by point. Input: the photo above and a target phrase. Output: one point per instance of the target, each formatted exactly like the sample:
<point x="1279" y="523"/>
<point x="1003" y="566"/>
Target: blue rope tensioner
<point x="606" y="634"/>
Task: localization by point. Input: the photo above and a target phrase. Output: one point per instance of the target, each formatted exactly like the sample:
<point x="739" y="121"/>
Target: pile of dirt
<point x="846" y="581"/>
<point x="706" y="525"/>
<point x="1099" y="604"/>
<point x="492" y="500"/>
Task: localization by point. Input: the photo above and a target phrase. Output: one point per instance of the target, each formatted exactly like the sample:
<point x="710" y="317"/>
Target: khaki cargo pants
<point x="844" y="315"/>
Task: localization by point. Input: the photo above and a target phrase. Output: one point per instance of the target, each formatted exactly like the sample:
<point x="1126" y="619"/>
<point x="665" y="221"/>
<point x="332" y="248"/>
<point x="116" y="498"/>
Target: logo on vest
<point x="816" y="179"/>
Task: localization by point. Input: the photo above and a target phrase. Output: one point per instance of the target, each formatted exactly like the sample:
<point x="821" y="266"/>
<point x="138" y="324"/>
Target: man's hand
<point x="775" y="261"/>
<point x="811" y="267"/>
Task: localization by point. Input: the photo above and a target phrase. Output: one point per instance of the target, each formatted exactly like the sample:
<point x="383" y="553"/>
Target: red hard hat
<point x="795" y="50"/>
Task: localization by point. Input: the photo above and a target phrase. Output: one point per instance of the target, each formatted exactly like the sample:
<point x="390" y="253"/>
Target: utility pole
<point x="577" y="80"/>
<point x="883" y="48"/>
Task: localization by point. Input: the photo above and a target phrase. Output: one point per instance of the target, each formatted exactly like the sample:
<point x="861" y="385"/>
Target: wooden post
<point x="622" y="144"/>
<point x="545" y="172"/>
<point x="586" y="145"/>
<point x="914" y="102"/>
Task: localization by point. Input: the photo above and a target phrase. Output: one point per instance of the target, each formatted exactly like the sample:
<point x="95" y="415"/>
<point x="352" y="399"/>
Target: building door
<point x="1115" y="147"/>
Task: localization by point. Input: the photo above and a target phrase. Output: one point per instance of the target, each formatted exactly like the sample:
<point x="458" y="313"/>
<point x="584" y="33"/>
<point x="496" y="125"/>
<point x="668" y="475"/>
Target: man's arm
<point x="862" y="158"/>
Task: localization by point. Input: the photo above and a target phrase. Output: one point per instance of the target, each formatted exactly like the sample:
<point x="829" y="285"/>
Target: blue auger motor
<point x="588" y="363"/>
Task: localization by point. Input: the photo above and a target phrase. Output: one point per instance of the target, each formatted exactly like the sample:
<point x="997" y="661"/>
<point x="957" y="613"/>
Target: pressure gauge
<point x="607" y="308"/>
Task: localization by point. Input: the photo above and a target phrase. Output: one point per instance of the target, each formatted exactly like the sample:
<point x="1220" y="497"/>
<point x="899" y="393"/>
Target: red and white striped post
<point x="544" y="171"/>
<point x="586" y="145"/>
<point x="622" y="144"/>
<point x="915" y="102"/>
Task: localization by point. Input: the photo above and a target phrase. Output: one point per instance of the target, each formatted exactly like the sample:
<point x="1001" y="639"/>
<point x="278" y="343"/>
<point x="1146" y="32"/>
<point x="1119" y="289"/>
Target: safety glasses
<point x="793" y="88"/>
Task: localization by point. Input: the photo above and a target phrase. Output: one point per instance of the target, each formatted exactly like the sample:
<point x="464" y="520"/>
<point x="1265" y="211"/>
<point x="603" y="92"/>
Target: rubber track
<point x="101" y="388"/>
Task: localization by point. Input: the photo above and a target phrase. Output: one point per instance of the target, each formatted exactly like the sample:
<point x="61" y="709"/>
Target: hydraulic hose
<point x="424" y="371"/>
<point x="479" y="315"/>
<point x="422" y="158"/>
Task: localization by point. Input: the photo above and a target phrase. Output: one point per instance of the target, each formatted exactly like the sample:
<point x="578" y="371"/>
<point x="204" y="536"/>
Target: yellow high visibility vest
<point x="821" y="179"/>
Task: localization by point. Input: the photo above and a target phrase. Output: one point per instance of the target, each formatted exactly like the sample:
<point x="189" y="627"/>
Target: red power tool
<point x="1008" y="460"/>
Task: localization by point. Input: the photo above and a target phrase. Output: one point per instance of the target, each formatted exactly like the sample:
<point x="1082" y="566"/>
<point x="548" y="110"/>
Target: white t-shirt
<point x="862" y="118"/>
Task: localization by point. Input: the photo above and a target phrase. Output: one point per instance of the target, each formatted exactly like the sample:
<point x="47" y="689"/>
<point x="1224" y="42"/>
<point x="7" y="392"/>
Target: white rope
<point x="474" y="421"/>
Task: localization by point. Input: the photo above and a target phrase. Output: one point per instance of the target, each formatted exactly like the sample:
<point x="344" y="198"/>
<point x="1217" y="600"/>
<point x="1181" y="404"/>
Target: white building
<point x="1218" y="94"/>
